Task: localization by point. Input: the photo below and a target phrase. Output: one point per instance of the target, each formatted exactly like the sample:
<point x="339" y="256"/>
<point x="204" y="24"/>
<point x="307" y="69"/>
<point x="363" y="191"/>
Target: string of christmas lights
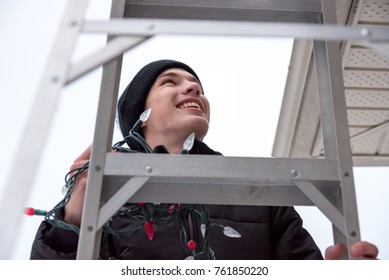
<point x="148" y="214"/>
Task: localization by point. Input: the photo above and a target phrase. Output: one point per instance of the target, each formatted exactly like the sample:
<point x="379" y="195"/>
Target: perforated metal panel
<point x="356" y="130"/>
<point x="374" y="12"/>
<point x="371" y="98"/>
<point x="361" y="58"/>
<point x="366" y="81"/>
<point x="366" y="117"/>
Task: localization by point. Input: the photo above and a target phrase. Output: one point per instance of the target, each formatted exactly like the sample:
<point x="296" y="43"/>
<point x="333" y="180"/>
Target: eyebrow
<point x="189" y="76"/>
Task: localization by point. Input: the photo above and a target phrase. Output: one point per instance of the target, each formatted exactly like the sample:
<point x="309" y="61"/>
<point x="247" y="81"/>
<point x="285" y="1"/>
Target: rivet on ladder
<point x="365" y="32"/>
<point x="149" y="169"/>
<point x="54" y="79"/>
<point x="73" y="23"/>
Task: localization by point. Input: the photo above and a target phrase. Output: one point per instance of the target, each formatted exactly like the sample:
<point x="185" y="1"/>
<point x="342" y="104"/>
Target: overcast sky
<point x="243" y="78"/>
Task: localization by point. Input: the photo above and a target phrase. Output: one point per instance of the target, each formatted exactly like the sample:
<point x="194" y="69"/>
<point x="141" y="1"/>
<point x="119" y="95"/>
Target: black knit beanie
<point x="132" y="102"/>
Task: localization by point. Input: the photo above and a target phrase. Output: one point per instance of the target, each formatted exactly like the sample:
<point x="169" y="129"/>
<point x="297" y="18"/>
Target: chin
<point x="201" y="133"/>
<point x="197" y="125"/>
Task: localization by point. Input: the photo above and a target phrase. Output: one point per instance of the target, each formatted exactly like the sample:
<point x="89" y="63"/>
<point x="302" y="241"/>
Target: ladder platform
<point x="209" y="179"/>
<point x="242" y="10"/>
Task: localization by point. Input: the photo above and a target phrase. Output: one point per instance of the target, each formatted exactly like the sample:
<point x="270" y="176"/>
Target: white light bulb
<point x="65" y="189"/>
<point x="145" y="115"/>
<point x="202" y="228"/>
<point x="230" y="232"/>
<point x="188" y="144"/>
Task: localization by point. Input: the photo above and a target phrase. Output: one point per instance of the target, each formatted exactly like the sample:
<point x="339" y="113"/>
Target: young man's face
<point x="178" y="105"/>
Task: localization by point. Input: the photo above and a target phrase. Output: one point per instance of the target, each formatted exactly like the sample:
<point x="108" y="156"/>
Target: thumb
<point x="334" y="252"/>
<point x="85" y="155"/>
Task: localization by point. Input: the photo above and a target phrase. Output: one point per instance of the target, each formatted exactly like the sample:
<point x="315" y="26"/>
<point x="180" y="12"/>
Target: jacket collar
<point x="199" y="148"/>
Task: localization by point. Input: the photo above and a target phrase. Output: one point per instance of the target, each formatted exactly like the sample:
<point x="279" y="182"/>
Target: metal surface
<point x="90" y="235"/>
<point x="246" y="10"/>
<point x="200" y="192"/>
<point x="24" y="167"/>
<point x="150" y="27"/>
<point x="325" y="205"/>
<point x="114" y="48"/>
<point x="240" y="170"/>
<point x="336" y="140"/>
<point x="219" y="180"/>
<point x="334" y="124"/>
<point x="119" y="199"/>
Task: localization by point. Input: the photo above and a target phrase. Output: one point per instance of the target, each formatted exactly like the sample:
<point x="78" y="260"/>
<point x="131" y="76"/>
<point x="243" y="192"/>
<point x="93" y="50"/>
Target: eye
<point x="168" y="81"/>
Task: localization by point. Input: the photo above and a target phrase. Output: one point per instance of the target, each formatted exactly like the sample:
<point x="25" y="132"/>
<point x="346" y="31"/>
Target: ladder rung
<point x="219" y="169"/>
<point x="283" y="11"/>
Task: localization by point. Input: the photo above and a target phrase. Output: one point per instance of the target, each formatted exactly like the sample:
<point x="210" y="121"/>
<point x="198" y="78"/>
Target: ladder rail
<point x="90" y="235"/>
<point x="335" y="128"/>
<point x="24" y="168"/>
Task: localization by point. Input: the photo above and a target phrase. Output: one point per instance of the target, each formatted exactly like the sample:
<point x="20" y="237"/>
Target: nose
<point x="192" y="88"/>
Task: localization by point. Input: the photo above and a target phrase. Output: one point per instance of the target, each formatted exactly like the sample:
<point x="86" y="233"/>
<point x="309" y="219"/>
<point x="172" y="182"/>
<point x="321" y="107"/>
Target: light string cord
<point x="148" y="214"/>
<point x="70" y="179"/>
<point x="203" y="216"/>
<point x="133" y="135"/>
<point x="158" y="214"/>
<point x="206" y="223"/>
<point x="71" y="176"/>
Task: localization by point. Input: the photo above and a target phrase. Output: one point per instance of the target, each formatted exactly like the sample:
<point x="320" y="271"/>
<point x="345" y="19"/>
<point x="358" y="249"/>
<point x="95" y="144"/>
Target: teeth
<point x="189" y="104"/>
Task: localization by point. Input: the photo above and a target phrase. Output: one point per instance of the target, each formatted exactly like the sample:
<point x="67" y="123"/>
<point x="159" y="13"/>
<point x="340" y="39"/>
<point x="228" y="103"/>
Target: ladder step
<point x="248" y="10"/>
<point x="219" y="169"/>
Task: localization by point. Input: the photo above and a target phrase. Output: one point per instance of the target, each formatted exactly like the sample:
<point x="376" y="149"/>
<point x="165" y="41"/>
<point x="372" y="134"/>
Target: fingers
<point x="360" y="250"/>
<point x="82" y="159"/>
<point x="85" y="154"/>
<point x="364" y="250"/>
<point x="334" y="252"/>
<point x="74" y="207"/>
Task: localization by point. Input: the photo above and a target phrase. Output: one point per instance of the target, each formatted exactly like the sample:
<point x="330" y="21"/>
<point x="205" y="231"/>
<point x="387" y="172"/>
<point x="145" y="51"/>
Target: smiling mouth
<point x="187" y="105"/>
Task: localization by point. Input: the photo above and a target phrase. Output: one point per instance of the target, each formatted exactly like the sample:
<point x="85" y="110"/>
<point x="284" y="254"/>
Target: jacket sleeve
<point x="289" y="239"/>
<point x="54" y="243"/>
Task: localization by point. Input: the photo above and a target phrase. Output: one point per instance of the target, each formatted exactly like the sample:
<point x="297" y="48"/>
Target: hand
<point x="73" y="209"/>
<point x="362" y="250"/>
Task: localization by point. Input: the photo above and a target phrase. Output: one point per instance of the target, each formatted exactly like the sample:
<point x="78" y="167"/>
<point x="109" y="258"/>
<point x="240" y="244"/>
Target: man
<point x="162" y="231"/>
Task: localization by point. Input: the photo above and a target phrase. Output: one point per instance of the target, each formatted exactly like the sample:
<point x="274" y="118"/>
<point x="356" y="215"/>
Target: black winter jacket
<point x="266" y="233"/>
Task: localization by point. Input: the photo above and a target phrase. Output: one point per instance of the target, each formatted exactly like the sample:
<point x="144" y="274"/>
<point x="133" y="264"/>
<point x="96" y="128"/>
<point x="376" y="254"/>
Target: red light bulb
<point x="191" y="244"/>
<point x="149" y="229"/>
<point x="29" y="211"/>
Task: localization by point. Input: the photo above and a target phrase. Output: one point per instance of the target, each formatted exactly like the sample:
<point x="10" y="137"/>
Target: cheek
<point x="160" y="109"/>
<point x="155" y="104"/>
<point x="207" y="108"/>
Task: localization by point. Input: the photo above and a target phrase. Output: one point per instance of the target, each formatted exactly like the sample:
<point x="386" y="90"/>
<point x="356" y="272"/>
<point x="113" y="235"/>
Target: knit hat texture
<point x="132" y="102"/>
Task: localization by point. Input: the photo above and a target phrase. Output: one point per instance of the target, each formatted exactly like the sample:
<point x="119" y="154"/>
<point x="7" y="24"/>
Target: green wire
<point x="159" y="214"/>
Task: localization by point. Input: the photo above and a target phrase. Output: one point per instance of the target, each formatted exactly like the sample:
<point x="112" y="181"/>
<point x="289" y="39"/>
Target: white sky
<point x="243" y="78"/>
